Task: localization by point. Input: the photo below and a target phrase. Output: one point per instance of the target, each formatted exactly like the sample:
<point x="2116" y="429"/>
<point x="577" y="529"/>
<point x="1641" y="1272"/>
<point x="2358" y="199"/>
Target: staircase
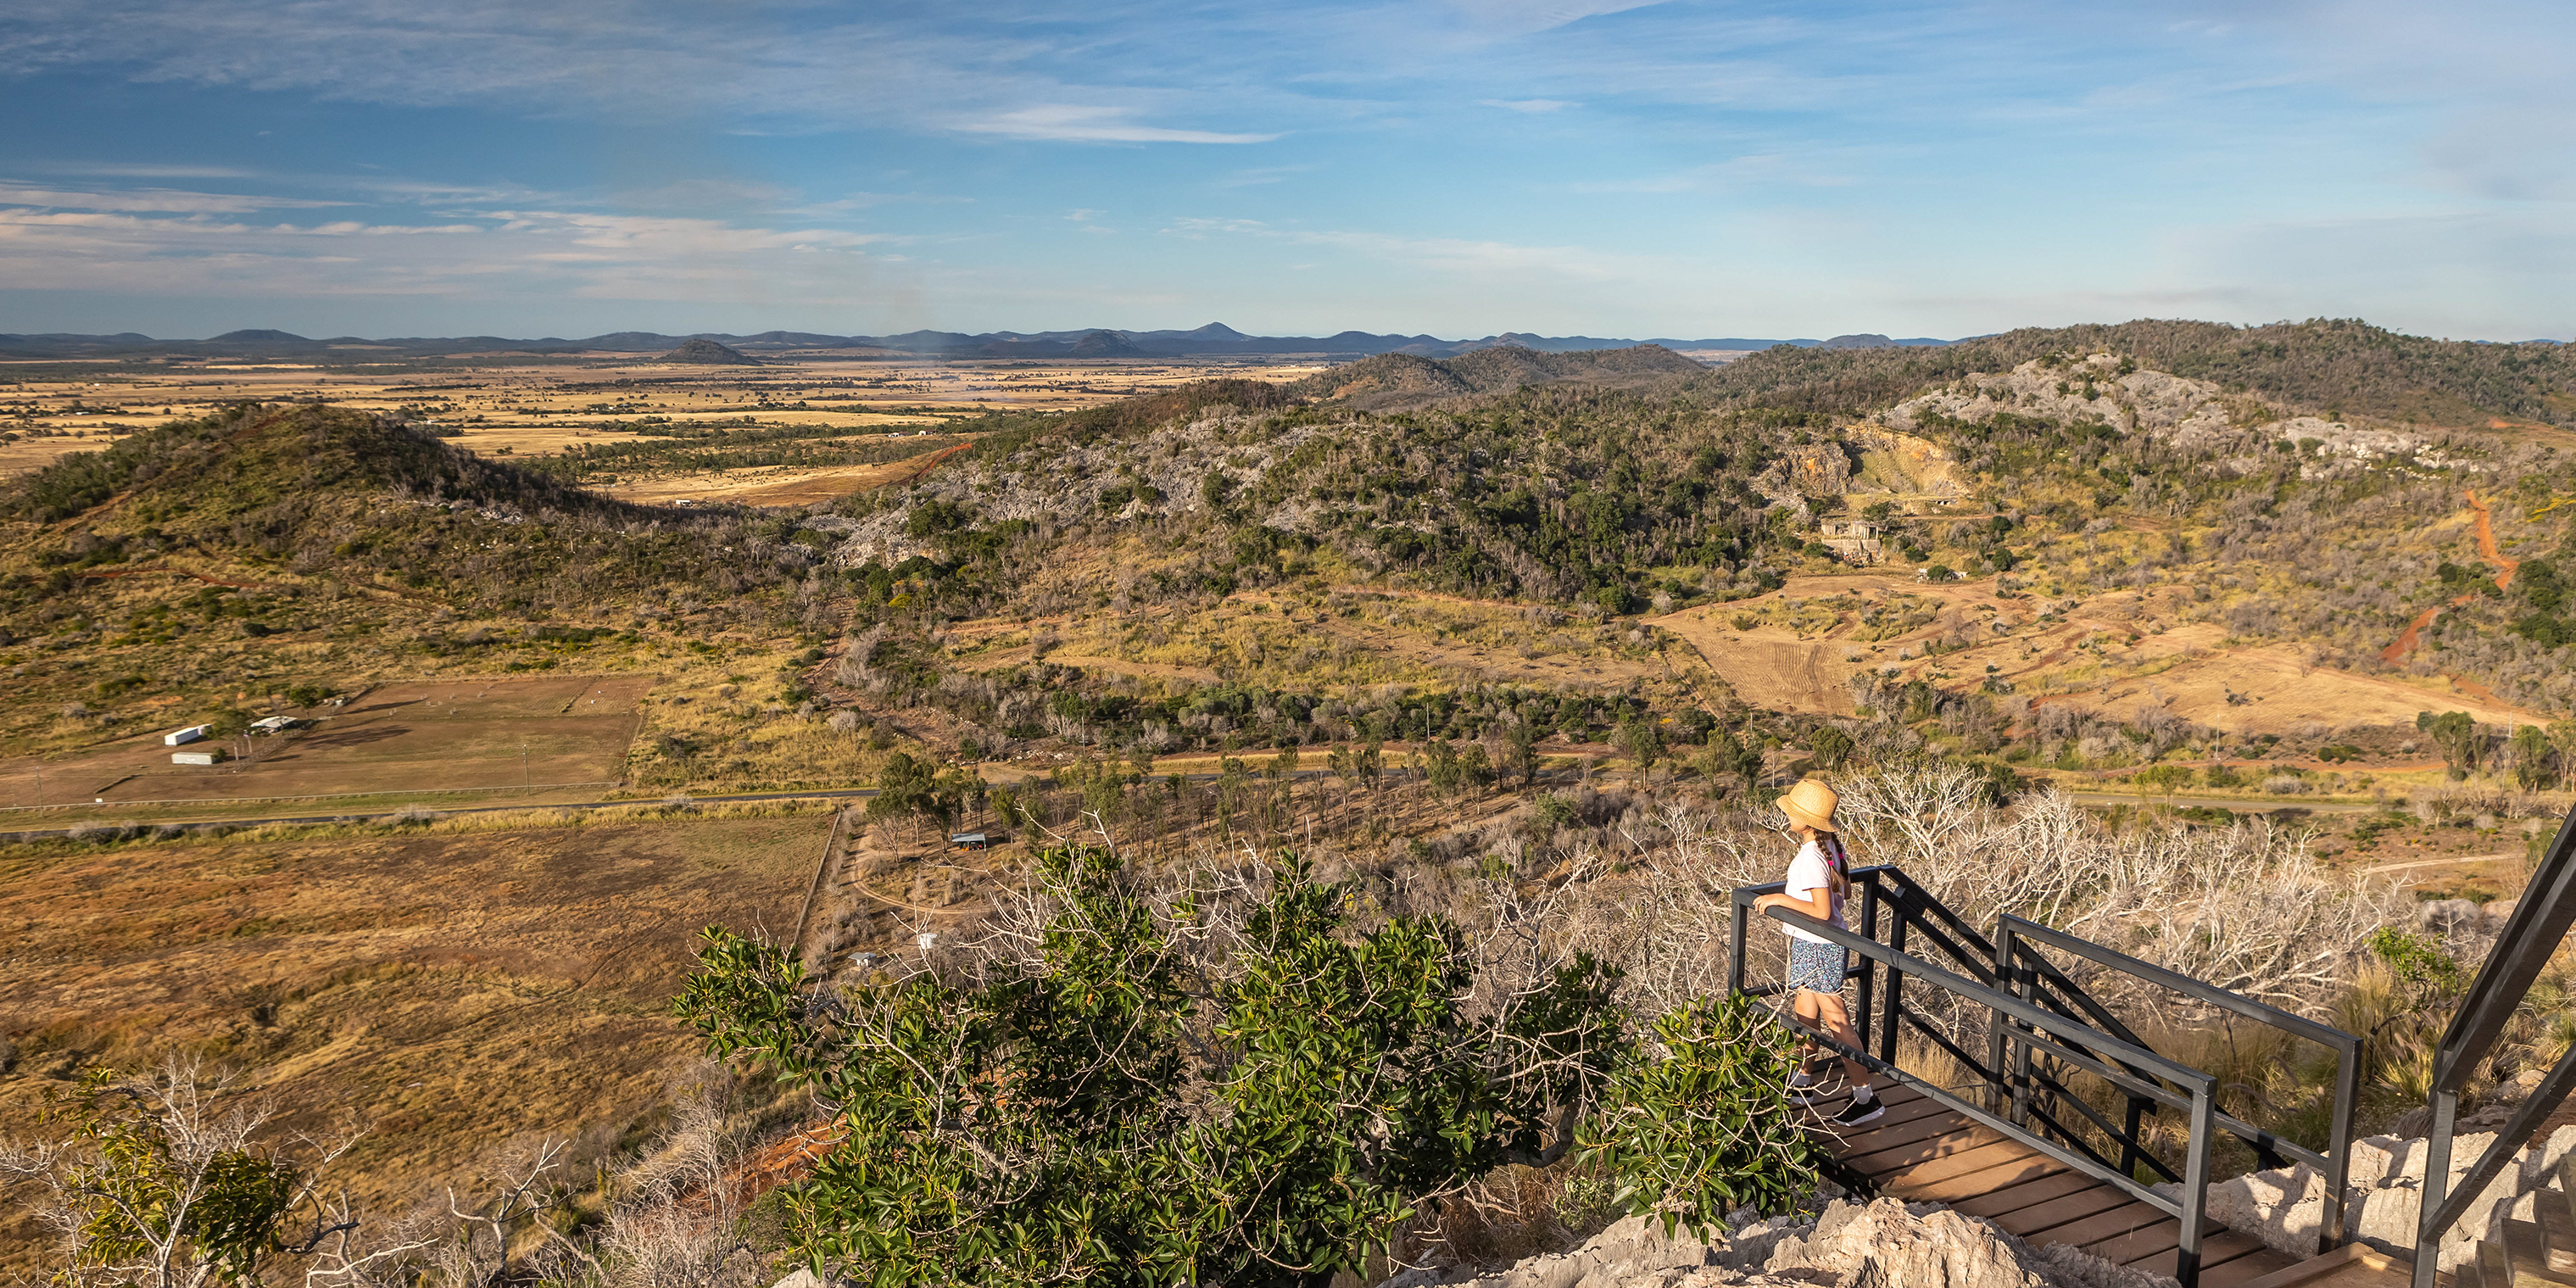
<point x="2021" y="1146"/>
<point x="2020" y="1143"/>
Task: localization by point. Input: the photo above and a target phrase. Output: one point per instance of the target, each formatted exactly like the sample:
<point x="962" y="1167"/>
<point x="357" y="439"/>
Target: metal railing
<point x="2040" y="1021"/>
<point x="2014" y="961"/>
<point x="2531" y="935"/>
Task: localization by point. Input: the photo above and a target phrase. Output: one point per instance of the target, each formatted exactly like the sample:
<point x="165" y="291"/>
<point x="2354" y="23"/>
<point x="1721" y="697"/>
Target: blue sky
<point x="1459" y="167"/>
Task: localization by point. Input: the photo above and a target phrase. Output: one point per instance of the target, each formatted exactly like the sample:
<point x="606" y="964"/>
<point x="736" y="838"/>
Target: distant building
<point x="967" y="840"/>
<point x="182" y="737"/>
<point x="274" y="724"/>
<point x="210" y="756"/>
<point x="1854" y="540"/>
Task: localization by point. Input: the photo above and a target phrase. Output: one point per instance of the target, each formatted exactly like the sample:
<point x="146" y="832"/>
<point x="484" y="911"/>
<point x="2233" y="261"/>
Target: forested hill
<point x="1398" y="380"/>
<point x="2323" y="365"/>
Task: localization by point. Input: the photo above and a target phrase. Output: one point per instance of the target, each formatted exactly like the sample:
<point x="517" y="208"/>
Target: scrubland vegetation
<point x="1368" y="784"/>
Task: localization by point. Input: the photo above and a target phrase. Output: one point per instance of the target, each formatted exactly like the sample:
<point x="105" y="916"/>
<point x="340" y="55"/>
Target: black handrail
<point x="2539" y="923"/>
<point x="2272" y="1150"/>
<point x="2103" y="1052"/>
<point x="2013" y="981"/>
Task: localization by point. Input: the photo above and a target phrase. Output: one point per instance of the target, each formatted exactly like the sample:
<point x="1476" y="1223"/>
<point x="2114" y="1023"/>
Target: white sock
<point x="1862" y="1095"/>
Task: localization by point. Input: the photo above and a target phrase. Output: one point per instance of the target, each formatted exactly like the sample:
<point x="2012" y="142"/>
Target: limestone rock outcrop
<point x="2285" y="1208"/>
<point x="1880" y="1244"/>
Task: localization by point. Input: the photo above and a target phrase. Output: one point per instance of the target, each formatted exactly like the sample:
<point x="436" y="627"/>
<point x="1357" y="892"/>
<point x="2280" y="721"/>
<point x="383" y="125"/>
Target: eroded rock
<point x="1880" y="1244"/>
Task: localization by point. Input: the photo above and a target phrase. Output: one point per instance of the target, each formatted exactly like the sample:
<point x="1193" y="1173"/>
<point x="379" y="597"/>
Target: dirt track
<point x="2487" y="550"/>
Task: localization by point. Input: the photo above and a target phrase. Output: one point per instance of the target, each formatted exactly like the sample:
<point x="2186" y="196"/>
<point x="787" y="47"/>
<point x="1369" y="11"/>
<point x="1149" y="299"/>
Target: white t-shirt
<point x="1807" y="874"/>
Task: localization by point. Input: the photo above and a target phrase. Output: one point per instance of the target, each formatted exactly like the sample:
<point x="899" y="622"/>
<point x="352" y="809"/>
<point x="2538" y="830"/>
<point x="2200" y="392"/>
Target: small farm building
<point x="212" y="755"/>
<point x="182" y="737"/>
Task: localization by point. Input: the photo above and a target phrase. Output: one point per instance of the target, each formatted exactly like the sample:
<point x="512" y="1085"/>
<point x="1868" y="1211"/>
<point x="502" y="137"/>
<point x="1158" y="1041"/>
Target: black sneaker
<point x="1807" y="1086"/>
<point x="1857" y="1112"/>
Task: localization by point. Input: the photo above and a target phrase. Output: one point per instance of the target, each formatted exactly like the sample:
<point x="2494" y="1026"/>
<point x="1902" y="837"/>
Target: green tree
<point x="1832" y="746"/>
<point x="2165" y="778"/>
<point x="158" y="1186"/>
<point x="1520" y="750"/>
<point x="2530" y="748"/>
<point x="1126" y="1108"/>
<point x="909" y="788"/>
<point x="1643" y="740"/>
<point x="2562" y="735"/>
<point x="2456" y="733"/>
<point x="1440" y="766"/>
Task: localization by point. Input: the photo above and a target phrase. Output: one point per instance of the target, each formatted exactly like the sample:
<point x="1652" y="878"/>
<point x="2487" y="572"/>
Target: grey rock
<point x="2285" y="1208"/>
<point x="1880" y="1244"/>
<point x="2446" y="914"/>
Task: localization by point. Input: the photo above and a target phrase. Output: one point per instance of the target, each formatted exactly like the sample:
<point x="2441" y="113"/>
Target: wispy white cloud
<point x="1530" y="105"/>
<point x="113" y="247"/>
<point x="1072" y="123"/>
<point x="152" y="199"/>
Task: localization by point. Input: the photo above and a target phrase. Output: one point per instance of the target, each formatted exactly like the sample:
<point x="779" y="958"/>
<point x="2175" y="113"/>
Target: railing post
<point x="1895" y="987"/>
<point x="2437" y="1182"/>
<point x="1868" y="965"/>
<point x="1997" y="1033"/>
<point x="2339" y="1144"/>
<point x="1735" y="951"/>
<point x="2025" y="983"/>
<point x="2195" y="1184"/>
<point x="2129" y="1151"/>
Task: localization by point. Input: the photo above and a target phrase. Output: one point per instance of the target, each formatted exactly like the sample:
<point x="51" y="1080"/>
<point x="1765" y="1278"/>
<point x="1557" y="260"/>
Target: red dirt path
<point x="2487" y="550"/>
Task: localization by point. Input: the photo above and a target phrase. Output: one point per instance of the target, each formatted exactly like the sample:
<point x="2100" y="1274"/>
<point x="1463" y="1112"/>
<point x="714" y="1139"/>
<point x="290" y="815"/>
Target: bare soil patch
<point x="427" y="736"/>
<point x="450" y="991"/>
<point x="2111" y="652"/>
<point x="2276" y="692"/>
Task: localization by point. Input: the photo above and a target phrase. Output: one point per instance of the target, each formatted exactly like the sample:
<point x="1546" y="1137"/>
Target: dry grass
<point x="451" y="987"/>
<point x="537" y="410"/>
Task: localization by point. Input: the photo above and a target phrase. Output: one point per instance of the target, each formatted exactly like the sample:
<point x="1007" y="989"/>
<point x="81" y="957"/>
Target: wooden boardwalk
<point x="1924" y="1152"/>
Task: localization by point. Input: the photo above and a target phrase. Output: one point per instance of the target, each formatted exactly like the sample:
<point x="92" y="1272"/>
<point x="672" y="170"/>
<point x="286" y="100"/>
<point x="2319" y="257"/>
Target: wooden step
<point x="2056" y="1212"/>
<point x="2004" y="1202"/>
<point x="1961" y="1137"/>
<point x="1977" y="1184"/>
<point x="2486" y="1267"/>
<point x="2557" y="1228"/>
<point x="2109" y="1223"/>
<point x="1878" y="1137"/>
<point x="2226" y="1260"/>
<point x="2000" y="1153"/>
<point x="2354" y="1265"/>
<point x="2526" y="1247"/>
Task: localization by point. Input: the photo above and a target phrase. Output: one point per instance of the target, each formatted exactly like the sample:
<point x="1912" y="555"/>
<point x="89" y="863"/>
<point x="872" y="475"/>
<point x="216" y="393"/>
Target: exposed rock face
<point x="2192" y="413"/>
<point x="2383" y="1198"/>
<point x="1882" y="1244"/>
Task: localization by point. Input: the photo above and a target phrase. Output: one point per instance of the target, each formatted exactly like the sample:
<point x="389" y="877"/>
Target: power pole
<point x="523" y="765"/>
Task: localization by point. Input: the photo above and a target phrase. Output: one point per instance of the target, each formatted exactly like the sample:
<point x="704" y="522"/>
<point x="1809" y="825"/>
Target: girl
<point x="1817" y="879"/>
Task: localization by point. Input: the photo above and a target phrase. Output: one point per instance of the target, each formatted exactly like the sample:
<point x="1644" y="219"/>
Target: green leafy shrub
<point x="1129" y="1106"/>
<point x="1708" y="1128"/>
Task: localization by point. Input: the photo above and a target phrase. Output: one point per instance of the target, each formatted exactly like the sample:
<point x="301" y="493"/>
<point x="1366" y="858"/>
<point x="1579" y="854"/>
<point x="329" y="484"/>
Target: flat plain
<point x="469" y="733"/>
<point x="540" y="408"/>
<point x="444" y="991"/>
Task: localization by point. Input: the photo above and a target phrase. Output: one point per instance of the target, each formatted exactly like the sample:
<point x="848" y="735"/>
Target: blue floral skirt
<point x="1816" y="967"/>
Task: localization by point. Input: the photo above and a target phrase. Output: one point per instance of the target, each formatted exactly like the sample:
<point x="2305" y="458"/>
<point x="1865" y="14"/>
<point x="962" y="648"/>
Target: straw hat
<point x="1811" y="803"/>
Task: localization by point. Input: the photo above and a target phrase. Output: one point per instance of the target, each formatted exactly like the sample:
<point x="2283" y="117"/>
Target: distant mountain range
<point x="1213" y="340"/>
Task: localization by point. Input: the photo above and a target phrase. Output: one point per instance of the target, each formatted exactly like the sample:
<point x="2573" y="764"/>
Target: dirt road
<point x="2487" y="550"/>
